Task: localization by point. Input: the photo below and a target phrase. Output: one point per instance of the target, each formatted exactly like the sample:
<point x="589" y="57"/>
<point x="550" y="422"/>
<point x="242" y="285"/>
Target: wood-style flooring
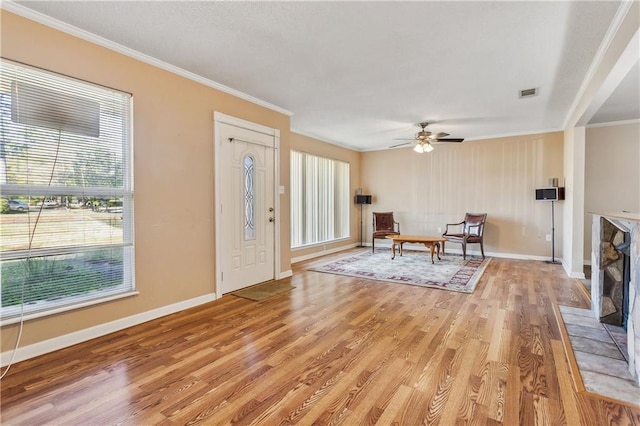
<point x="334" y="350"/>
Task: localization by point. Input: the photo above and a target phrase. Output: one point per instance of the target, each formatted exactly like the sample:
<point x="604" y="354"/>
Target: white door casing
<point x="246" y="223"/>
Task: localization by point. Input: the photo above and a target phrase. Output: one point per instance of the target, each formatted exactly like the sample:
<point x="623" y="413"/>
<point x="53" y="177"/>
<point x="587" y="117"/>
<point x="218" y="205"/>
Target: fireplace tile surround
<point x="629" y="222"/>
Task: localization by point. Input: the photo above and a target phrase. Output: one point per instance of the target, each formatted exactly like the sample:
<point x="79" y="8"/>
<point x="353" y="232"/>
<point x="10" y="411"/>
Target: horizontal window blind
<point x="319" y="199"/>
<point x="66" y="205"/>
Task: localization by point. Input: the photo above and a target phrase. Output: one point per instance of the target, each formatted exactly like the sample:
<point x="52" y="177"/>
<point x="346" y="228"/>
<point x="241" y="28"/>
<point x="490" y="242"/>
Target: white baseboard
<point x="322" y="253"/>
<point x="418" y="247"/>
<point x="575" y="275"/>
<point x="474" y="252"/>
<point x="80" y="336"/>
<point x="285" y="274"/>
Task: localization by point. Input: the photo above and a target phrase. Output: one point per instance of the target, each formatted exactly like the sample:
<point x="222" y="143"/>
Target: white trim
<point x="614" y="123"/>
<point x="276" y="200"/>
<point x="628" y="58"/>
<point x="578" y="275"/>
<point x="494" y="136"/>
<point x="473" y="252"/>
<point x="472" y="139"/>
<point x="101" y="41"/>
<point x="217" y="201"/>
<point x="320" y="244"/>
<point x="421" y="248"/>
<point x="516" y="256"/>
<point x="322" y="253"/>
<point x="285" y="274"/>
<point x="321" y="139"/>
<point x="608" y="38"/>
<point x="408" y="145"/>
<point x="71" y="307"/>
<point x="219" y="117"/>
<point x="80" y="336"/>
<point x="249" y="125"/>
<point x="511" y="135"/>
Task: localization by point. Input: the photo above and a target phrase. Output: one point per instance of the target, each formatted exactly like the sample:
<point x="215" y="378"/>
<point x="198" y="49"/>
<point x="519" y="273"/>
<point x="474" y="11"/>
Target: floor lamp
<point x="362" y="199"/>
<point x="552" y="194"/>
<point x="553" y="235"/>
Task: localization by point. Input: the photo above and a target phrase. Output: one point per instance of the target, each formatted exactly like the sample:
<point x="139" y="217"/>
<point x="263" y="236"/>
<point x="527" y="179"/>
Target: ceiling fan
<point x="424" y="138"/>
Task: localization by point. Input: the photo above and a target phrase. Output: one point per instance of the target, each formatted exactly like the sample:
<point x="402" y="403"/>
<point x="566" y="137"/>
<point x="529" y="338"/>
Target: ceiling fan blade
<point x="449" y="140"/>
<point x="441" y="135"/>
<point x="401" y="144"/>
<point x="403" y="139"/>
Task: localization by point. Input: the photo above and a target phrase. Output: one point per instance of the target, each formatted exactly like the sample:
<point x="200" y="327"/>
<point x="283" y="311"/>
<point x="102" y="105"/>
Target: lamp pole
<point x="553" y="235"/>
<point x="361" y="245"/>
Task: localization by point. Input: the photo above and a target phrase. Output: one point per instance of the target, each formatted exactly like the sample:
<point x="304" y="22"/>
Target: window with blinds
<point x="66" y="192"/>
<point x="319" y="199"/>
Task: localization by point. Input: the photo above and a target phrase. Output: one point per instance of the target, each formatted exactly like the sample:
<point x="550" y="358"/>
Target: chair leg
<point x="373" y="245"/>
<point x="482" y="249"/>
<point x="443" y="248"/>
<point x="464" y="251"/>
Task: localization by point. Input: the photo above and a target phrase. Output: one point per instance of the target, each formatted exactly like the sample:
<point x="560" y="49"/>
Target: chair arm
<point x="446" y="231"/>
<point x="397" y="223"/>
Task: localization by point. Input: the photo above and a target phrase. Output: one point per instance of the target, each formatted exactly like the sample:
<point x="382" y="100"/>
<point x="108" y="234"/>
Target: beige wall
<point x="496" y="176"/>
<point x="322" y="149"/>
<point x="173" y="160"/>
<point x="612" y="174"/>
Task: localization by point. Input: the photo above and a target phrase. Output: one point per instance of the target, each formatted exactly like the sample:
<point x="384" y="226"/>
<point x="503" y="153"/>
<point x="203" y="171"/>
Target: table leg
<point x="432" y="246"/>
<point x="438" y="250"/>
<point x="393" y="249"/>
<point x="401" y="243"/>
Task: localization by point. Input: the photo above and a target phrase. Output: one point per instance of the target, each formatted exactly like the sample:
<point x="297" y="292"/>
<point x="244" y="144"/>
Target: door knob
<point x="271" y="219"/>
<point x="270" y="209"/>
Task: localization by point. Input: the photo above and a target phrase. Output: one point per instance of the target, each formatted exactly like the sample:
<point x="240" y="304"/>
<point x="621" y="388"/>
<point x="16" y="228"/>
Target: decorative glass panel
<point x="249" y="199"/>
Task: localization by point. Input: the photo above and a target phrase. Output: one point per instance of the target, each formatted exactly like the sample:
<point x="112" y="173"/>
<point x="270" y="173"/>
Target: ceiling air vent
<point x="527" y="93"/>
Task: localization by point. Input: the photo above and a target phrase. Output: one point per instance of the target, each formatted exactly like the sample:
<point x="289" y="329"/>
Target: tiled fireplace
<point x="615" y="277"/>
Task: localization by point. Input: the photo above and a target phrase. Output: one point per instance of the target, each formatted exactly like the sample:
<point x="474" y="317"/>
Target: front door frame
<point x="219" y="117"/>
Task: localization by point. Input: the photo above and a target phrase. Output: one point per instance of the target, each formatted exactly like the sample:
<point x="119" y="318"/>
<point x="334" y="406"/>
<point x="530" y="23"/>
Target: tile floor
<point x="603" y="368"/>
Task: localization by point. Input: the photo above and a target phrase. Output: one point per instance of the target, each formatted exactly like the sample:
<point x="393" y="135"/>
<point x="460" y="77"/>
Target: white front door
<point x="247" y="210"/>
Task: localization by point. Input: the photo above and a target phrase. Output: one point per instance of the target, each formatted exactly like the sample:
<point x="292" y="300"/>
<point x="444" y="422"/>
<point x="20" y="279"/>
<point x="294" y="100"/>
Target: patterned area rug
<point x="413" y="267"/>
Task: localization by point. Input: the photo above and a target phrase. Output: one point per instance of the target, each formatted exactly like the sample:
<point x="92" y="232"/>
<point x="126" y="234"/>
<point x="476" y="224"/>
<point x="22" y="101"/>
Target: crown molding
<point x="320" y="139"/>
<point x="43" y="19"/>
<point x="614" y="123"/>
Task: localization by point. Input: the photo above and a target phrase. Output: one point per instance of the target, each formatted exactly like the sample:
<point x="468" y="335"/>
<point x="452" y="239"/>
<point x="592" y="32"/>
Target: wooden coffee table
<point x="432" y="242"/>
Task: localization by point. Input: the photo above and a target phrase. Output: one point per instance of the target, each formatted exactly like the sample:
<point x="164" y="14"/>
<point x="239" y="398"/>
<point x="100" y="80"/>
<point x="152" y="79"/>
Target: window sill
<point x="320" y="244"/>
<point x="61" y="309"/>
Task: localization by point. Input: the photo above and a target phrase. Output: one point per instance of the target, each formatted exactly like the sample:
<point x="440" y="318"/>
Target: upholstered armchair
<point x="383" y="225"/>
<point x="470" y="230"/>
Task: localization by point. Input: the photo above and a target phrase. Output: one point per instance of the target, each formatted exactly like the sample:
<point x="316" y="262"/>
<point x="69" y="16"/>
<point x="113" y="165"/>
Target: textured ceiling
<point x="359" y="74"/>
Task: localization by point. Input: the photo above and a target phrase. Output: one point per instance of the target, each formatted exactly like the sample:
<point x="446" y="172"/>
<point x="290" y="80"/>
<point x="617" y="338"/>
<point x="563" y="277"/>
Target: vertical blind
<point x="319" y="199"/>
<point x="66" y="191"/>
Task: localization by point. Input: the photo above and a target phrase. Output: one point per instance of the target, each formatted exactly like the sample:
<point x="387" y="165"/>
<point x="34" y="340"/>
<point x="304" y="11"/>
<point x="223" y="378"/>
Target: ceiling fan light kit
<point x="423" y="147"/>
<point x="423" y="139"/>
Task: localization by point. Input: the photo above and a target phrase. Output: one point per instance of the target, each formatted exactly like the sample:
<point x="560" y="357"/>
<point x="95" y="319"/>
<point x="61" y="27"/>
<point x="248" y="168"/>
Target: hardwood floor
<point x="334" y="350"/>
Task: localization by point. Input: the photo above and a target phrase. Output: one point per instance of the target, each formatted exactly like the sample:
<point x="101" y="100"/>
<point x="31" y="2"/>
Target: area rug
<point x="413" y="267"/>
<point x="263" y="291"/>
